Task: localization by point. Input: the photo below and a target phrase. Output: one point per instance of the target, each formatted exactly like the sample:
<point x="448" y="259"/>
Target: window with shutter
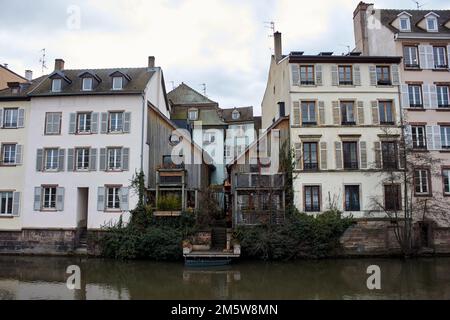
<point x="322" y="119"/>
<point x="352" y="201"/>
<point x="418" y="137"/>
<point x="310" y="156"/>
<point x="296" y="113"/>
<point x="6" y="202"/>
<point x="338" y="155"/>
<point x="422" y="182"/>
<point x="8" y="156"/>
<point x="53" y="123"/>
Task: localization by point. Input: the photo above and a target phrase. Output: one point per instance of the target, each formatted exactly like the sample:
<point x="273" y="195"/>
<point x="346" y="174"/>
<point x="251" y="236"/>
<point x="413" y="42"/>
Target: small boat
<point x="206" y="262"/>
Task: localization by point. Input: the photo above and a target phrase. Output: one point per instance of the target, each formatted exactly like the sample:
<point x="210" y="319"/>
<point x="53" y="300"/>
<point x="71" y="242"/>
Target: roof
<point x="10" y="71"/>
<point x="185" y="95"/>
<point x="388" y="16"/>
<point x="25" y="89"/>
<point x="246" y="114"/>
<point x="295" y="57"/>
<point x="139" y="78"/>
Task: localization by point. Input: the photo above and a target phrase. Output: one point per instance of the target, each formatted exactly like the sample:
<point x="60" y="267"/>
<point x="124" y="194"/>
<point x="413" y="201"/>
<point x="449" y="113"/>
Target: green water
<point x="45" y="278"/>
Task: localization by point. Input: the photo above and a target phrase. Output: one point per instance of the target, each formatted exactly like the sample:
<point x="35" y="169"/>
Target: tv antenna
<point x="42" y="61"/>
<point x="347" y="46"/>
<point x="173" y="84"/>
<point x="418" y="4"/>
<point x="203" y="88"/>
<point x="270" y="25"/>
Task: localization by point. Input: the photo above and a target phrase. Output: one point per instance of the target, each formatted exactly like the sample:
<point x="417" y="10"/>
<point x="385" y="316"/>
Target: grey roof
<point x="388" y="16"/>
<point x="25" y="88"/>
<point x="139" y="80"/>
<point x="246" y="114"/>
<point x="185" y="95"/>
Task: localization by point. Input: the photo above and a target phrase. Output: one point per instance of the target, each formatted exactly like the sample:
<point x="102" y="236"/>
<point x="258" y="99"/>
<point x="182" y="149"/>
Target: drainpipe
<point x="143" y="130"/>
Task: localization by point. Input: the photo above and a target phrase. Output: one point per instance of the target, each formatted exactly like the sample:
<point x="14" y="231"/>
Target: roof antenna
<point x="204" y="88"/>
<point x="42" y="61"/>
<point x="418" y="4"/>
<point x="270" y="25"/>
<point x="347" y="46"/>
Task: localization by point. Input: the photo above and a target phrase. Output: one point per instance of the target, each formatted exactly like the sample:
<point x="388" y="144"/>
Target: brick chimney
<point x="151" y="61"/>
<point x="59" y="64"/>
<point x="29" y="75"/>
<point x="278" y="46"/>
<point x="360" y="27"/>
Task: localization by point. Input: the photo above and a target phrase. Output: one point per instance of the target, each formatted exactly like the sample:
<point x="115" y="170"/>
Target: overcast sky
<point x="223" y="43"/>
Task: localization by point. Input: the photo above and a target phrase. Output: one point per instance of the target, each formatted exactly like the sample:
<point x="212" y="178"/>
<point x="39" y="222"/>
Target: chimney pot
<point x="278" y="46"/>
<point x="29" y="75"/>
<point x="59" y="64"/>
<point x="151" y="61"/>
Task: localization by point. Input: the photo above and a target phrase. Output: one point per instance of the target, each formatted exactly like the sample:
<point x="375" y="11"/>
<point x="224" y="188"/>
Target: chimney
<point x="151" y="61"/>
<point x="29" y="75"/>
<point x="59" y="64"/>
<point x="278" y="48"/>
<point x="360" y="27"/>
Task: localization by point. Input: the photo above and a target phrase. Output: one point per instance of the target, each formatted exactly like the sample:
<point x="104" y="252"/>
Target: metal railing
<point x="244" y="217"/>
<point x="256" y="180"/>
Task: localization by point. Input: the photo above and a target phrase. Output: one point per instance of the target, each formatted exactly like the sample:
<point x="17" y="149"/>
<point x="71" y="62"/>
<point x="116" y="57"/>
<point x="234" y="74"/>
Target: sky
<point x="224" y="44"/>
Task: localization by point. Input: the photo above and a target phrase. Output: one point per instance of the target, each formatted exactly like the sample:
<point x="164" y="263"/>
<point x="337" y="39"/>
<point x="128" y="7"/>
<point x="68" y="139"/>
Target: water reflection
<point x="45" y="278"/>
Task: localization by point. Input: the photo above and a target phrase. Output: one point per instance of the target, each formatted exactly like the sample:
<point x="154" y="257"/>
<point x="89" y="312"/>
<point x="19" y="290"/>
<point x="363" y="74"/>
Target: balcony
<point x="258" y="181"/>
<point x="311" y="166"/>
<point x="384" y="82"/>
<point x="416" y="105"/>
<point x="351" y="165"/>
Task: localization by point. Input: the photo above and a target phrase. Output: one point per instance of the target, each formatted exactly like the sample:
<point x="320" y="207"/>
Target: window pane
<point x="10" y="118"/>
<point x="6" y="202"/>
<point x="352" y="198"/>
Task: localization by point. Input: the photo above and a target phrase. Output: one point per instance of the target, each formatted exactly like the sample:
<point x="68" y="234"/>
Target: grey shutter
<point x="363" y="154"/>
<point x="296" y="114"/>
<point x="429" y="56"/>
<point x="70" y="159"/>
<point x="357" y="75"/>
<point x="319" y="75"/>
<point x="426" y="96"/>
<point x="126" y="122"/>
<point x="19" y="155"/>
<point x="125" y="159"/>
<point x="336" y="113"/>
<point x="323" y="156"/>
<point x="1" y="118"/>
<point x="16" y="204"/>
<point x="433" y="96"/>
<point x="338" y="155"/>
<point x="322" y="120"/>
<point x="295" y="69"/>
<point x="395" y="74"/>
<point x="124" y="199"/>
<point x="104" y="122"/>
<point x="373" y="75"/>
<point x="102" y="159"/>
<point x="298" y="155"/>
<point x="408" y="136"/>
<point x="437" y="137"/>
<point x="375" y="113"/>
<point x="48" y="123"/>
<point x="360" y="108"/>
<point x="101" y="198"/>
<point x="94" y="122"/>
<point x="93" y="160"/>
<point x="72" y="123"/>
<point x="404" y="89"/>
<point x="448" y="61"/>
<point x="377" y="150"/>
<point x="40" y="159"/>
<point x="21" y="118"/>
<point x="37" y="198"/>
<point x="430" y="139"/>
<point x="60" y="199"/>
<point x="61" y="160"/>
<point x="423" y="57"/>
<point x="334" y="75"/>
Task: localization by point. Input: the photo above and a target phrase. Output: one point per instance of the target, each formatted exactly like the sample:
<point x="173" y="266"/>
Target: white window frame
<point x="56" y="85"/>
<point x="435" y="24"/>
<point x="117" y="122"/>
<point x="415" y="134"/>
<point x="85" y="157"/>
<point x="411" y="62"/>
<point x="53" y="124"/>
<point x="10" y="118"/>
<point x="87" y="84"/>
<point x="9" y="202"/>
<point x="193" y="114"/>
<point x="11" y="149"/>
<point x="117" y="83"/>
<point x="54" y="152"/>
<point x="442" y="96"/>
<point x="84" y="118"/>
<point x="412" y="93"/>
<point x="408" y="24"/>
<point x="115" y="193"/>
<point x="445" y="137"/>
<point x="48" y="204"/>
<point x="209" y="138"/>
<point x="421" y="185"/>
<point x="114" y="157"/>
<point x="311" y="116"/>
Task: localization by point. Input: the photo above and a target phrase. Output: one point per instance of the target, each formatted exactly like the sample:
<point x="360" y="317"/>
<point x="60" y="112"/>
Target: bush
<point x="300" y="236"/>
<point x="169" y="203"/>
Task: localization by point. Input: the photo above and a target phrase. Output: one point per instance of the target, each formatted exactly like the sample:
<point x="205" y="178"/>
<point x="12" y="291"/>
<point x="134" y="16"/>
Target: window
<point x="307" y="75"/>
<point x="10" y="117"/>
<point x="352" y="198"/>
<point x="392" y="197"/>
<point x="235" y="115"/>
<point x="193" y="114"/>
<point x="117" y="83"/>
<point x="113" y="198"/>
<point x="348" y="113"/>
<point x="82" y="156"/>
<point x="84" y="122"/>
<point x="432" y="24"/>
<point x="419" y="137"/>
<point x="208" y="138"/>
<point x="445" y="137"/>
<point x="345" y="75"/>
<point x="53" y="123"/>
<point x="309" y="113"/>
<point x="114" y="159"/>
<point x="384" y="76"/>
<point x="9" y="154"/>
<point x="443" y="96"/>
<point x="227" y="151"/>
<point x="312" y="198"/>
<point x="49" y="198"/>
<point x="350" y="155"/>
<point x="51" y="159"/>
<point x="310" y="161"/>
<point x="386" y="112"/>
<point x="411" y="57"/>
<point x="446" y="181"/>
<point x="440" y="57"/>
<point x="173" y="162"/>
<point x="415" y="96"/>
<point x="421" y="182"/>
<point x="405" y="24"/>
<point x="115" y="121"/>
<point x="56" y="85"/>
<point x="87" y="84"/>
<point x="6" y="202"/>
<point x="389" y="153"/>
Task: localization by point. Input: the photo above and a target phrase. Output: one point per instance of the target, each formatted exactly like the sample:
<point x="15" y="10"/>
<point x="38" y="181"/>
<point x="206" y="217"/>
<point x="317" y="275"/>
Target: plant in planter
<point x="169" y="203"/>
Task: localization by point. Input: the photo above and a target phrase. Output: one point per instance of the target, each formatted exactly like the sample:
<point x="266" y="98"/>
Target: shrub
<point x="169" y="203"/>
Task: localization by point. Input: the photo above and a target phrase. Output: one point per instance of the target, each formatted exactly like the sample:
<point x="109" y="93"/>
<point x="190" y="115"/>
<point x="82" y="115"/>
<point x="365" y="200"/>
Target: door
<point x="82" y="207"/>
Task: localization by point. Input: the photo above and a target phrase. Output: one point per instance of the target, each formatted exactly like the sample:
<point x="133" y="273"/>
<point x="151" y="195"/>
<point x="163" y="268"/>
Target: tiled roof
<point x="388" y="16"/>
<point x="25" y="88"/>
<point x="246" y="114"/>
<point x="185" y="95"/>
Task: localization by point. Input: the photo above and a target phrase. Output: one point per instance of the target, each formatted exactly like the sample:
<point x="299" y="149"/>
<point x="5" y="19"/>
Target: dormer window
<point x="117" y="83"/>
<point x="56" y="85"/>
<point x="193" y="114"/>
<point x="432" y="24"/>
<point x="405" y="24"/>
<point x="87" y="84"/>
<point x="235" y="115"/>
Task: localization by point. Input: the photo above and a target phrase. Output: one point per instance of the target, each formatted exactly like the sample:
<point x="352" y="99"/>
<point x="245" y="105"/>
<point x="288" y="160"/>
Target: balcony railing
<point x="256" y="180"/>
<point x="351" y="165"/>
<point x="245" y="217"/>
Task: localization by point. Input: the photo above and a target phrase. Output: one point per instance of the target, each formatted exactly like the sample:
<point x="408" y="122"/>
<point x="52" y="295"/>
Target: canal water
<point x="46" y="278"/>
